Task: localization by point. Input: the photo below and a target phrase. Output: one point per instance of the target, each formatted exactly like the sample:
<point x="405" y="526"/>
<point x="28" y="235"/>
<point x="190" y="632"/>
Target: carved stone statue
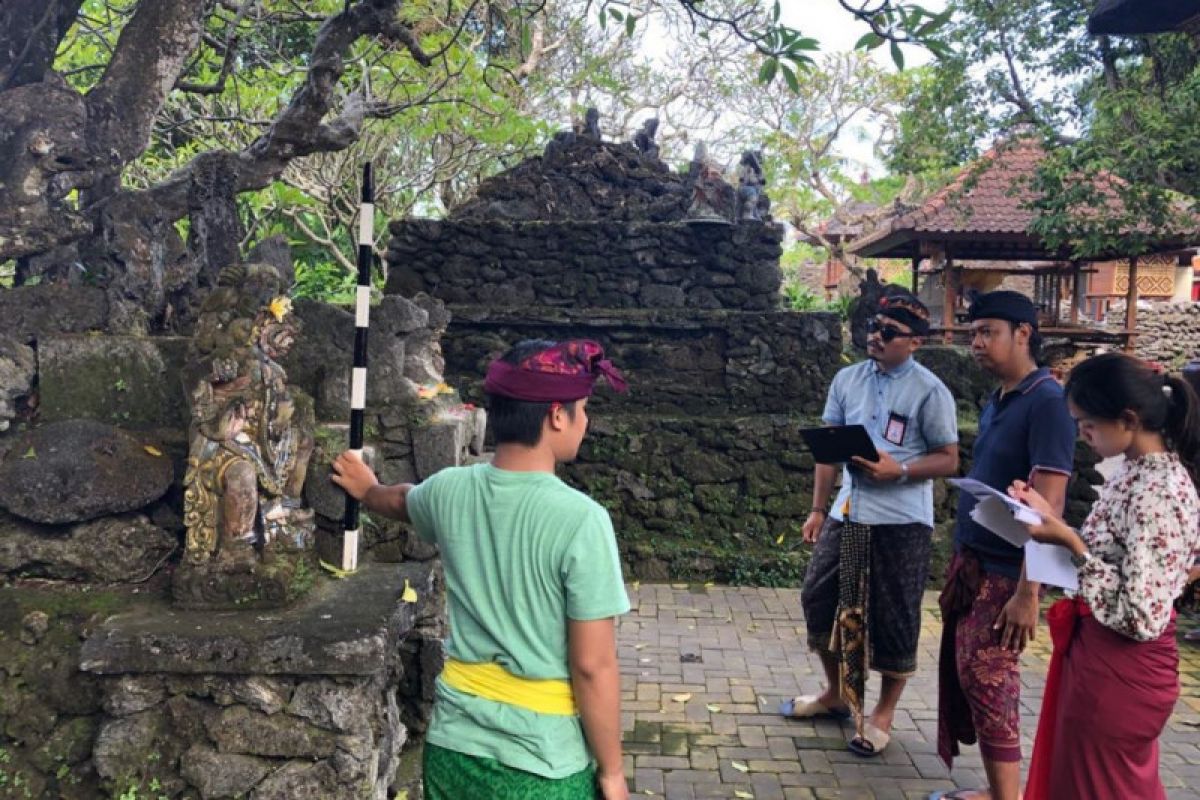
<point x="864" y="307"/>
<point x="713" y="198"/>
<point x="249" y="539"/>
<point x="644" y="139"/>
<point x="752" y="201"/>
<point x="591" y="124"/>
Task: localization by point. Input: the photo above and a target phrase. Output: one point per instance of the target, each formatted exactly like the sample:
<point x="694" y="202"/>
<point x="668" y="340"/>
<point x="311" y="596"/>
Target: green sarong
<point x="450" y="775"/>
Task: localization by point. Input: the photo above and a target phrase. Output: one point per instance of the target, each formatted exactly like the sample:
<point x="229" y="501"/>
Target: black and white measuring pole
<point x="358" y="378"/>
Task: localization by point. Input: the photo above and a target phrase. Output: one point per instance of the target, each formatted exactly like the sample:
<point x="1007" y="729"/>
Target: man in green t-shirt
<point x="531" y="690"/>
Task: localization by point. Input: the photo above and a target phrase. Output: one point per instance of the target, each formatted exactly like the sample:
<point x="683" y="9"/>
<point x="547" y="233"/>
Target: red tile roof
<point x="988" y="197"/>
<point x="983" y="213"/>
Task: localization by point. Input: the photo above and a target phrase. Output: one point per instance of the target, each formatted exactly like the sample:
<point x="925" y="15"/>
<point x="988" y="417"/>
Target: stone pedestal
<point x="303" y="702"/>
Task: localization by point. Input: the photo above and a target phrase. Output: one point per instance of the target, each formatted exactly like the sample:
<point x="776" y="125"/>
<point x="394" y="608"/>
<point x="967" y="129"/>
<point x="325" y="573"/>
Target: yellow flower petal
<point x="714" y="708"/>
<point x="739" y="766"/>
<point x="744" y="795"/>
<point x="154" y="451"/>
<point x="682" y="698"/>
<point x="409" y="595"/>
<point x="280" y="307"/>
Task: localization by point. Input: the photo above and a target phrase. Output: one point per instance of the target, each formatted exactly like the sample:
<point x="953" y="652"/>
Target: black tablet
<point x="838" y="444"/>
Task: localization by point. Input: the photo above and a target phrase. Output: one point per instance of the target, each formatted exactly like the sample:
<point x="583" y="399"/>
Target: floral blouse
<point x="1142" y="534"/>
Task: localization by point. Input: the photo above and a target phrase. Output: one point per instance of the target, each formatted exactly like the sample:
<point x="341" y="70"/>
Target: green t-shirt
<point x="523" y="553"/>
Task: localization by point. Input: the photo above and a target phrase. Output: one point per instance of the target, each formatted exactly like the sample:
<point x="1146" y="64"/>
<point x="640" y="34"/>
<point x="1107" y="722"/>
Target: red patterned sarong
<point x="979" y="682"/>
<point x="1107" y="700"/>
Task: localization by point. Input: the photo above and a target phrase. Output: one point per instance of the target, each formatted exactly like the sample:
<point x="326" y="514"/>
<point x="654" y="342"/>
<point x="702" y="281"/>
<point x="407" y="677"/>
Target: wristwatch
<point x="903" y="474"/>
<point x="1081" y="560"/>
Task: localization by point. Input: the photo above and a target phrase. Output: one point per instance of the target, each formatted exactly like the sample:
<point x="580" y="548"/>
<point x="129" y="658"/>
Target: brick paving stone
<point x="742" y="650"/>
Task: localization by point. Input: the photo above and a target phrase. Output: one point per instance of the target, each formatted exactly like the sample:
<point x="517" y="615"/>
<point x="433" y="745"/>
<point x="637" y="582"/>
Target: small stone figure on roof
<point x="713" y="200"/>
<point x="644" y="139"/>
<point x="591" y="124"/>
<point x="752" y="201"/>
<point x="251" y="440"/>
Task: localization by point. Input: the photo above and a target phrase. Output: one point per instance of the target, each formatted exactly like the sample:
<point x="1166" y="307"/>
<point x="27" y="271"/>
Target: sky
<point x="837" y="30"/>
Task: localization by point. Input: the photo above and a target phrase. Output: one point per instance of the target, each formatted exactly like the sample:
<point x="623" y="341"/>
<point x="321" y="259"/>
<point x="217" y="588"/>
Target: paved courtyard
<point x="704" y="668"/>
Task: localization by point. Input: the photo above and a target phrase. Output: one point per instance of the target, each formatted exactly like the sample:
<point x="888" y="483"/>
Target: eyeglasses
<point x="887" y="332"/>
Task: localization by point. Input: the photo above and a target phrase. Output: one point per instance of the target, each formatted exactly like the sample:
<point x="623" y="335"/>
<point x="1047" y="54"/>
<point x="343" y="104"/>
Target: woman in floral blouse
<point x="1114" y="677"/>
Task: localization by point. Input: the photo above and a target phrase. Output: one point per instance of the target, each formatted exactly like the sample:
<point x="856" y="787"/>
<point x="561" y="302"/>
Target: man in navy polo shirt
<point x="989" y="609"/>
<point x="862" y="593"/>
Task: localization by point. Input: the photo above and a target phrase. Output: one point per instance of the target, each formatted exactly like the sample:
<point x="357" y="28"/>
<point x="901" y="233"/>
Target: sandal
<point x="955" y="794"/>
<point x="871" y="743"/>
<point x="1192" y="636"/>
<point x="809" y="707"/>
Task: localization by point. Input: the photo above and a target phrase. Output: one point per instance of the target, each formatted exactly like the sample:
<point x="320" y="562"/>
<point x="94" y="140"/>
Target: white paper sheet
<point x="982" y="492"/>
<point x="1050" y="564"/>
<point x="993" y="514"/>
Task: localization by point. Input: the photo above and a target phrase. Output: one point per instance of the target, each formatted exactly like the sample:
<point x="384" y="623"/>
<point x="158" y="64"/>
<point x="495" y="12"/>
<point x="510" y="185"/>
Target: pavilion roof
<point x="984" y="213"/>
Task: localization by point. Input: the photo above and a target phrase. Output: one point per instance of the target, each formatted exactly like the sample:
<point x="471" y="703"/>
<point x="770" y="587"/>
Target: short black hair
<point x="520" y="421"/>
<point x="1035" y="340"/>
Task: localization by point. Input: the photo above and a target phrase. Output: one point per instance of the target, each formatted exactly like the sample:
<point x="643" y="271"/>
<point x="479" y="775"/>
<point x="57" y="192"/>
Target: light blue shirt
<point x="908" y="412"/>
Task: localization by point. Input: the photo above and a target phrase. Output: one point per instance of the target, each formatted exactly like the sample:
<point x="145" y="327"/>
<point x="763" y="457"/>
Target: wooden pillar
<point x="950" y="301"/>
<point x="1078" y="291"/>
<point x="1131" y="297"/>
<point x="916" y="275"/>
<point x="1055" y="296"/>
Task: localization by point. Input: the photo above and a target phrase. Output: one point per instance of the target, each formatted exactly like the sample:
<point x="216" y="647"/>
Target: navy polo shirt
<point x="1027" y="430"/>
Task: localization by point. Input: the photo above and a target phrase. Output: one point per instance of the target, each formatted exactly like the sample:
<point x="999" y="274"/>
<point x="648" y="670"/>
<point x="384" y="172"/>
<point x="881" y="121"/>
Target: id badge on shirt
<point x="897" y="425"/>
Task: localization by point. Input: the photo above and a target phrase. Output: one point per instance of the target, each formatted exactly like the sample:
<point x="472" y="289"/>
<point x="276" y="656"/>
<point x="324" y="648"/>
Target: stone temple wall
<point x="589" y="264"/>
<point x="701" y="464"/>
<point x="1168" y="333"/>
<point x="105" y="687"/>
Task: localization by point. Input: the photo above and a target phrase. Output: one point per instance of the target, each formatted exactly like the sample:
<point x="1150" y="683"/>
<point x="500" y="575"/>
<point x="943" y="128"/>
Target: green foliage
<point x="1118" y="116"/>
<point x="324" y="281"/>
<point x="801" y="298"/>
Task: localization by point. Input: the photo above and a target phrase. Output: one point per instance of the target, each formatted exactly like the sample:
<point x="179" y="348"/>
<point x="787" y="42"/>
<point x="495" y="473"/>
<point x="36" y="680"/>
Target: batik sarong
<point x="979" y="681"/>
<point x="899" y="568"/>
<point x="1107" y="700"/>
<point x="450" y="775"/>
<point x="848" y="642"/>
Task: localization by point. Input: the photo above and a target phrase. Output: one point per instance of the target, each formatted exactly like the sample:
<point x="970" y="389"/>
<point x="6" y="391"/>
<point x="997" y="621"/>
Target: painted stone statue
<point x="249" y="539"/>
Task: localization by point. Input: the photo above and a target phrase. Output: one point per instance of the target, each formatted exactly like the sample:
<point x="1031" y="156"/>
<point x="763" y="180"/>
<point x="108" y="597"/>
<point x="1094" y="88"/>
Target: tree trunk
<point x="30" y="32"/>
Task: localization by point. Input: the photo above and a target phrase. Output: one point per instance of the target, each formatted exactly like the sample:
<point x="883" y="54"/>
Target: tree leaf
<point x="789" y="75"/>
<point x="897" y="56"/>
<point x="30" y="453"/>
<point x="868" y="41"/>
<point x="743" y="795"/>
<point x="739" y="766"/>
<point x="630" y="22"/>
<point x="682" y="698"/>
<point x="714" y="708"/>
<point x="766" y="73"/>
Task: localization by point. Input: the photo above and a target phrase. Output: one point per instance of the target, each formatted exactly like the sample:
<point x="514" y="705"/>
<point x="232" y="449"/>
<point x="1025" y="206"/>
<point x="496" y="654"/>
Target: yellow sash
<point x="493" y="682"/>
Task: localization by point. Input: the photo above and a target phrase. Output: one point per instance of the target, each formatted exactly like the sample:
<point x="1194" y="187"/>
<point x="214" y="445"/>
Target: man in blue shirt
<point x="989" y="609"/>
<point x="876" y="539"/>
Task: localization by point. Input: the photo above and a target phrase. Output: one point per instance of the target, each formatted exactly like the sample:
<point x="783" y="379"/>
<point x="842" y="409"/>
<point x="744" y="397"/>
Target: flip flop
<point x="809" y="707"/>
<point x="1192" y="636"/>
<point x="954" y="794"/>
<point x="871" y="743"/>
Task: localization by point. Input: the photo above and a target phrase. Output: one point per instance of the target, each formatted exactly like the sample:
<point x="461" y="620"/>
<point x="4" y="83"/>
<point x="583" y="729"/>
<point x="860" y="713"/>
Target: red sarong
<point x="1107" y="700"/>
